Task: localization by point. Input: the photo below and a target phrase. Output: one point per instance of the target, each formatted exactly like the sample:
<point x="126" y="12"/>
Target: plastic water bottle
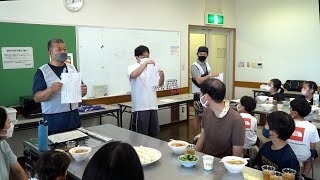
<point x="316" y="98"/>
<point x="43" y="136"/>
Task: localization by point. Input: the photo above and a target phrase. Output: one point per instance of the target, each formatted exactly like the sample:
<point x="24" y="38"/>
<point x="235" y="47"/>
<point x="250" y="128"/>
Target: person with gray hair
<point x="47" y="90"/>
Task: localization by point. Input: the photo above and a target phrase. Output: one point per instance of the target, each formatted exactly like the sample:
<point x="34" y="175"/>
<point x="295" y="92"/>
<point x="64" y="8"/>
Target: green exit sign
<point x="214" y="19"/>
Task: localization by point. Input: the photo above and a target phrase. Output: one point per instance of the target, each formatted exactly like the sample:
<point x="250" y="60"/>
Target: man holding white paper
<point x="144" y="76"/>
<point x="47" y="86"/>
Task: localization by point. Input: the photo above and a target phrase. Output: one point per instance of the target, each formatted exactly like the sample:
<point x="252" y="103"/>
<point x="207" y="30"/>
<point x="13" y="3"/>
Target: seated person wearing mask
<point x="277" y="153"/>
<point x="303" y="140"/>
<point x="9" y="166"/>
<point x="307" y="91"/>
<point x="223" y="129"/>
<point x="275" y="89"/>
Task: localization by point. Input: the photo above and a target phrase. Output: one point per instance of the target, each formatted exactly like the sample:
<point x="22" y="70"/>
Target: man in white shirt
<point x="144" y="117"/>
<point x="304" y="138"/>
<point x="246" y="106"/>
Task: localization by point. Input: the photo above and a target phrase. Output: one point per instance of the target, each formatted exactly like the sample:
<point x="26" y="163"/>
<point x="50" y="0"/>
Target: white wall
<point x="173" y="15"/>
<point x="284" y="35"/>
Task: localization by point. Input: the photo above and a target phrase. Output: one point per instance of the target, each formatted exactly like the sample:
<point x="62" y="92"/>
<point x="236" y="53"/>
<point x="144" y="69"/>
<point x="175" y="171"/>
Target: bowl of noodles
<point x="178" y="147"/>
<point x="234" y="164"/>
<point x="80" y="153"/>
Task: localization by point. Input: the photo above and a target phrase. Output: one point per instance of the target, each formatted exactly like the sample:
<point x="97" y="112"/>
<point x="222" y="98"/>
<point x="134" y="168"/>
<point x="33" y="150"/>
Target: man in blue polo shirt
<point x="47" y="90"/>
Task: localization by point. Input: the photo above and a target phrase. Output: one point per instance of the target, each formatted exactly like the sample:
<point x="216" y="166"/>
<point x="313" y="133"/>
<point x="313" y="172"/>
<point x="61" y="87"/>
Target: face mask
<point x="141" y="61"/>
<point x="238" y="107"/>
<point x="268" y="88"/>
<point x="304" y="92"/>
<point x="265" y="133"/>
<point x="9" y="132"/>
<point x="202" y="58"/>
<point x="62" y="57"/>
<point x="203" y="104"/>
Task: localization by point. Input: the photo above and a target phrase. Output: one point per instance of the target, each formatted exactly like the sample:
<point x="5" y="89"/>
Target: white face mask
<point x="238" y="107"/>
<point x="268" y="88"/>
<point x="9" y="132"/>
<point x="304" y="92"/>
<point x="141" y="61"/>
<point x="205" y="103"/>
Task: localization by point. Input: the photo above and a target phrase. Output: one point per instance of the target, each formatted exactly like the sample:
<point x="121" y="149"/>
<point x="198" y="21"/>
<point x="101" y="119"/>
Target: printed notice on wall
<point x="174" y="50"/>
<point x="17" y="57"/>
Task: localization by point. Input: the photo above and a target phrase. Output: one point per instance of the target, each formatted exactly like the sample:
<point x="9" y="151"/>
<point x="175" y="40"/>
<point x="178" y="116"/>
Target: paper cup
<point x="270" y="99"/>
<point x="207" y="162"/>
<point x="280" y="107"/>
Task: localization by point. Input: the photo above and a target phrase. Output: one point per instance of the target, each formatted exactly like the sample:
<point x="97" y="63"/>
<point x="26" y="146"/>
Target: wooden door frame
<point x="233" y="31"/>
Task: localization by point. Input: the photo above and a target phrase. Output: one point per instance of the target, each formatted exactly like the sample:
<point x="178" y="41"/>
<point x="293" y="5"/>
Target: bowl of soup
<point x="234" y="164"/>
<point x="80" y="153"/>
<point x="267" y="107"/>
<point x="178" y="147"/>
<point x="262" y="99"/>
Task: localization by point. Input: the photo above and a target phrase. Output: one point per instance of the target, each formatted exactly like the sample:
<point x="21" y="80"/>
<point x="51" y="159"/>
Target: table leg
<point x="188" y="118"/>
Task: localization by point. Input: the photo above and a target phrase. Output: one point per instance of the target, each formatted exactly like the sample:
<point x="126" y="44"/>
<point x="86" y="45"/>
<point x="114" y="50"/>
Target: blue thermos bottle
<point x="43" y="136"/>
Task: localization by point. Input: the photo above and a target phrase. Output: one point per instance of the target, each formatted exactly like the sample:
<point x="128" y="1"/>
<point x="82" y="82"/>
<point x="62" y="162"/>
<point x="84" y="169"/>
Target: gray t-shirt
<point x="7" y="159"/>
<point x="195" y="72"/>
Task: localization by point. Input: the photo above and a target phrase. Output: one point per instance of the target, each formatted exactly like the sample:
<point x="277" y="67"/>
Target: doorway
<point x="220" y="42"/>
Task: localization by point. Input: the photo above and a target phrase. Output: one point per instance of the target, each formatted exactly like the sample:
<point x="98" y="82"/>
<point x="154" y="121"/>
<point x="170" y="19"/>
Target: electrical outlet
<point x="259" y="65"/>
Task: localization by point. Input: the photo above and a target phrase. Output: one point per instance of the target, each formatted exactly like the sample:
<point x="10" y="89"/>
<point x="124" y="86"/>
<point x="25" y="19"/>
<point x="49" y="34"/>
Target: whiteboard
<point x="104" y="55"/>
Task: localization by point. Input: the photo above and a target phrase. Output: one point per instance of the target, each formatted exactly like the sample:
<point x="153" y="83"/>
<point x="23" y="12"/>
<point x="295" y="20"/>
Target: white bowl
<point x="178" y="149"/>
<point x="188" y="163"/>
<point x="234" y="168"/>
<point x="82" y="155"/>
<point x="262" y="99"/>
<point x="267" y="107"/>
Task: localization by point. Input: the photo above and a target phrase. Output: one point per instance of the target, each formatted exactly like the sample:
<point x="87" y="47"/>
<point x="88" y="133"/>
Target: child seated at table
<point x="303" y="140"/>
<point x="275" y="89"/>
<point x="10" y="168"/>
<point x="114" y="161"/>
<point x="307" y="91"/>
<point x="245" y="107"/>
<point x="277" y="152"/>
<point x="52" y="165"/>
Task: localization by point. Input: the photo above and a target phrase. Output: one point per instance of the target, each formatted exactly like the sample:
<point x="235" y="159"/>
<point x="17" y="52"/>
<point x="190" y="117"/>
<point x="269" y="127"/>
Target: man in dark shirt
<point x="277" y="152"/>
<point x="47" y="90"/>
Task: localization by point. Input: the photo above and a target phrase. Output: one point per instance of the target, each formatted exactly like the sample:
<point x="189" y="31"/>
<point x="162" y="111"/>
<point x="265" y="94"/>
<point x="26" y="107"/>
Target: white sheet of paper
<point x="66" y="136"/>
<point x="168" y="100"/>
<point x="71" y="88"/>
<point x="153" y="75"/>
<point x="220" y="77"/>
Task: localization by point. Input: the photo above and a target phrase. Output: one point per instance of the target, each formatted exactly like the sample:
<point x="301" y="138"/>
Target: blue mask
<point x="265" y="133"/>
